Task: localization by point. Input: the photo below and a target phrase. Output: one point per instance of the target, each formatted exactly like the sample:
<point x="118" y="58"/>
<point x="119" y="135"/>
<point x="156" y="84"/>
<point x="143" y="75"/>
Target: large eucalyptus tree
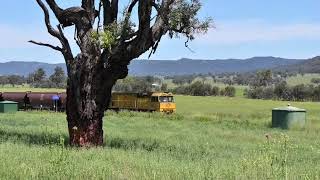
<point x="108" y="41"/>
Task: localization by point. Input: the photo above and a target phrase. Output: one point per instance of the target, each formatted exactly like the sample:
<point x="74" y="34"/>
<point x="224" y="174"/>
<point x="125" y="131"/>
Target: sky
<point x="242" y="29"/>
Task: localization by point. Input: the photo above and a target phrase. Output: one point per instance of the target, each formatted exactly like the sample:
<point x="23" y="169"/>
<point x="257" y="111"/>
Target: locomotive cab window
<point x="154" y="99"/>
<point x="166" y="99"/>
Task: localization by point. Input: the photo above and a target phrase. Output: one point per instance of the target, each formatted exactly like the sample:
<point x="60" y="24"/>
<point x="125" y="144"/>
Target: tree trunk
<point x="88" y="96"/>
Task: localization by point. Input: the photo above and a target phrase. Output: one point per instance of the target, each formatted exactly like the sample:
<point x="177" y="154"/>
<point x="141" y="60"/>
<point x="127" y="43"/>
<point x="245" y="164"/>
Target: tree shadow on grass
<point x="33" y="139"/>
<point x="43" y="139"/>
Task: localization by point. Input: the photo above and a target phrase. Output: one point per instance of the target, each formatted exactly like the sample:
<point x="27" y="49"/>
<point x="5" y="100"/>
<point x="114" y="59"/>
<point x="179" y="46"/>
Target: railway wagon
<point x="19" y="97"/>
<point x="46" y="100"/>
<point x="36" y="100"/>
<point x="156" y="101"/>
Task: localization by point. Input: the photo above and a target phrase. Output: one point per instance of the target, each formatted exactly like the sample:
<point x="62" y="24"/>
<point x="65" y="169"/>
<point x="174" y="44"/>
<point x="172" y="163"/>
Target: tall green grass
<point x="208" y="138"/>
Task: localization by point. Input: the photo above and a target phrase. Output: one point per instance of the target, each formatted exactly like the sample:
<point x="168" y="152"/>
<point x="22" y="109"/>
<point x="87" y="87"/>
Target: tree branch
<point x="47" y="45"/>
<point x="66" y="49"/>
<point x="50" y="29"/>
<point x="114" y="9"/>
<point x="66" y="46"/>
<point x="144" y="12"/>
<point x="89" y="6"/>
<point x="55" y="8"/>
<point x="131" y="6"/>
<point x="149" y="37"/>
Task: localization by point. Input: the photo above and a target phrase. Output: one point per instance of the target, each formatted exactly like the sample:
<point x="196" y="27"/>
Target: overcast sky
<point x="243" y="28"/>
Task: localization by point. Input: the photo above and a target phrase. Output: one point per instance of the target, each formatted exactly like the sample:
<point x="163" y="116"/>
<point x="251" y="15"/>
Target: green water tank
<point x="8" y="107"/>
<point x="288" y="117"/>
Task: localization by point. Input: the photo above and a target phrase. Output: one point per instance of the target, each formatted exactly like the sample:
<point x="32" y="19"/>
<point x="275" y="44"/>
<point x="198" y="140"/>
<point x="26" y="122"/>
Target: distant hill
<point x="24" y="68"/>
<point x="167" y="67"/>
<point x="307" y="66"/>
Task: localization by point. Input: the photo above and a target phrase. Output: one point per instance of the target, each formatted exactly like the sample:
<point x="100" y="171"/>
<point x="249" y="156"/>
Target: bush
<point x="230" y="91"/>
<point x="215" y="91"/>
<point x="282" y="91"/>
<point x="199" y="88"/>
<point x="315" y="80"/>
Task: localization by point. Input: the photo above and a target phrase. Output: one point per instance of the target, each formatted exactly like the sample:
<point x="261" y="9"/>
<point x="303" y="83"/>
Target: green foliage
<point x="39" y="75"/>
<point x="282" y="91"/>
<point x="110" y="35"/>
<point x="208" y="138"/>
<point x="200" y="88"/>
<point x="315" y="80"/>
<point x="58" y="78"/>
<point x="140" y="84"/>
<point x="262" y="78"/>
<point x="183" y="19"/>
<point x="230" y="91"/>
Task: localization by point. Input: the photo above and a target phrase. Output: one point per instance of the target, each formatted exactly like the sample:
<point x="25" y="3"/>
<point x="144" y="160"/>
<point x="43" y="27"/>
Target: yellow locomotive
<point x="153" y="101"/>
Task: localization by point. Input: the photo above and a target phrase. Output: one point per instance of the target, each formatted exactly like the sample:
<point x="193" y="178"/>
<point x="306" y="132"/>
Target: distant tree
<point x="58" y="78"/>
<point x="316" y="93"/>
<point x="39" y="75"/>
<point x="30" y="78"/>
<point x="300" y="92"/>
<point x="262" y="78"/>
<point x="3" y="80"/>
<point x="15" y="80"/>
<point x="282" y="91"/>
<point x="215" y="91"/>
<point x="230" y="91"/>
<point x="164" y="87"/>
<point x="315" y="80"/>
<point x="198" y="89"/>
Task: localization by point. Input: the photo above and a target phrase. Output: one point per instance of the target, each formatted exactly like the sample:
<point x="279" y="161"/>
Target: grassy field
<point x="208" y="138"/>
<point x="299" y="79"/>
<point x="25" y="88"/>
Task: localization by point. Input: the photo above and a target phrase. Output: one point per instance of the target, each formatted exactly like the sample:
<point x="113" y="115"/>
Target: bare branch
<point x="149" y="37"/>
<point x="47" y="45"/>
<point x="144" y="11"/>
<point x="50" y="29"/>
<point x="99" y="18"/>
<point x="114" y="9"/>
<point x="110" y="11"/>
<point x="65" y="50"/>
<point x="131" y="6"/>
<point x="55" y="8"/>
<point x="89" y="6"/>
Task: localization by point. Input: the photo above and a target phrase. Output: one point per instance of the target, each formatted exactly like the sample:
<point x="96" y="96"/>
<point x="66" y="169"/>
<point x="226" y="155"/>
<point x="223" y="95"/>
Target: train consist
<point x="36" y="100"/>
<point x="161" y="102"/>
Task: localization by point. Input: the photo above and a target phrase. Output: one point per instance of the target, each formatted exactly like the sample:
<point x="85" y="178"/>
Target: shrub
<point x="215" y="91"/>
<point x="230" y="91"/>
<point x="315" y="80"/>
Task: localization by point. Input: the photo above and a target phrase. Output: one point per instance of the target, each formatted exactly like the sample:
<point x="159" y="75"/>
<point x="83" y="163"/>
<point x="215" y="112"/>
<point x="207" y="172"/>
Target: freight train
<point x="152" y="101"/>
<point x="36" y="100"/>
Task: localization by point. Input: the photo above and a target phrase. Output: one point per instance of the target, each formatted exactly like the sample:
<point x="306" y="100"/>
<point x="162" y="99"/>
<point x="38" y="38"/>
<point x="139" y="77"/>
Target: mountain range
<point x="181" y="66"/>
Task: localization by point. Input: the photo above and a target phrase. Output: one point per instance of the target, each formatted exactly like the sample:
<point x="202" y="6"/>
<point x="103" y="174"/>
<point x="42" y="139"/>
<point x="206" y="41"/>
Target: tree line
<point x="267" y="86"/>
<point x="37" y="79"/>
<point x="150" y="83"/>
<point x="199" y="88"/>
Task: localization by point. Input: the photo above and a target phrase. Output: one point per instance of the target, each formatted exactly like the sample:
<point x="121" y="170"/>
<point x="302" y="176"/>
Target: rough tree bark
<point x="93" y="72"/>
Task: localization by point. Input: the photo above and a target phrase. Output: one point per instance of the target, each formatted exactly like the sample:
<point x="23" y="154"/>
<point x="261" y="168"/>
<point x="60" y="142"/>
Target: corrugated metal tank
<point x="8" y="107"/>
<point x="288" y="117"/>
<point x="18" y="97"/>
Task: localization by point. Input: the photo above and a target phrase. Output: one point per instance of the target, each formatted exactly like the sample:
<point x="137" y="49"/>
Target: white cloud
<point x="230" y="33"/>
